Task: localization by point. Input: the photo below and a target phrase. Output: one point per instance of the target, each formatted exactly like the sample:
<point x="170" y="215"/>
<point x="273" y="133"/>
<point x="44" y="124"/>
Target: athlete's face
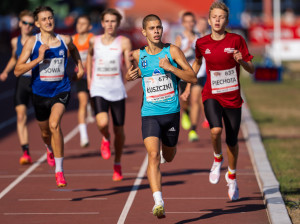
<point x="26" y="24"/>
<point x="188" y="22"/>
<point x="218" y="20"/>
<point x="45" y="21"/>
<point x="110" y="24"/>
<point x="153" y="31"/>
<point x="83" y="25"/>
<point x="202" y="25"/>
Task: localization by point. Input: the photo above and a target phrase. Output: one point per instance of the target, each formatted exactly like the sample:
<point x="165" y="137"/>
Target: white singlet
<point x="107" y="80"/>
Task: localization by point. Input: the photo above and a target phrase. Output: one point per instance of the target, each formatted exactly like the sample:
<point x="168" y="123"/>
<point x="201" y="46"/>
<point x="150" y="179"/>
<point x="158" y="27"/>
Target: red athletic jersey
<point x="222" y="70"/>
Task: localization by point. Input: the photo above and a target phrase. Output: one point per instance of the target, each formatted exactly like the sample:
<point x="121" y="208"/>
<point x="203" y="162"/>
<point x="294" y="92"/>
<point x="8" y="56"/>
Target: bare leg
<point x="119" y="142"/>
<point x="21" y="124"/>
<point x="168" y="152"/>
<point x="216" y="139"/>
<point x="83" y="101"/>
<point x="102" y="123"/>
<point x="195" y="104"/>
<point x="232" y="152"/>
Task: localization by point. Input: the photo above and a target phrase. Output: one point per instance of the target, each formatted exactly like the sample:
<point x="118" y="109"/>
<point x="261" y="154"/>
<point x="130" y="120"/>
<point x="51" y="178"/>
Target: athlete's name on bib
<point x="159" y="88"/>
<point x="226" y="79"/>
<point x="223" y="81"/>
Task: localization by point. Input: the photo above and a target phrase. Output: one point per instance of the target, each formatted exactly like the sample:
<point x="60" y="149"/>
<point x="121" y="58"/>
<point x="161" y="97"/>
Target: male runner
<point x="81" y="41"/>
<point x="23" y="89"/>
<point x="50" y="84"/>
<point x="158" y="66"/>
<point x="224" y="54"/>
<point x="105" y="80"/>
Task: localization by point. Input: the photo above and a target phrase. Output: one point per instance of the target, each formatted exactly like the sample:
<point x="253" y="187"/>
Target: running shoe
<point x="117" y="176"/>
<point x="205" y="124"/>
<point x="214" y="175"/>
<point x="193" y="136"/>
<point x="159" y="211"/>
<point x="25" y="159"/>
<point x="233" y="190"/>
<point x="60" y="179"/>
<point x="105" y="149"/>
<point x="185" y="121"/>
<point x="162" y="159"/>
<point x="50" y="158"/>
<point x="84" y="142"/>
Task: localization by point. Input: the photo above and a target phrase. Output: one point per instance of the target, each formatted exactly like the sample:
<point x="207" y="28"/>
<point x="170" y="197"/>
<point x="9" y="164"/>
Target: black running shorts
<point x="165" y="127"/>
<point x="23" y="90"/>
<point x="81" y="85"/>
<point x="42" y="105"/>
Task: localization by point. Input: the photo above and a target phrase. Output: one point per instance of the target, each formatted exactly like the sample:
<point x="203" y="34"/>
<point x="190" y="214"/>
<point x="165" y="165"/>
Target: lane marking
<point x="199" y="198"/>
<point x="208" y="212"/>
<point x="68" y="174"/>
<point x="53" y="213"/>
<point x="133" y="191"/>
<point x="59" y="199"/>
<point x="14" y="119"/>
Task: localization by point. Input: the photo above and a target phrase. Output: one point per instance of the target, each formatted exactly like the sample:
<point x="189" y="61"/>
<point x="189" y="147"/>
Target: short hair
<point x="41" y="9"/>
<point x="25" y="13"/>
<point x="87" y="17"/>
<point x="219" y="5"/>
<point x="188" y="14"/>
<point x="150" y="17"/>
<point x="112" y="12"/>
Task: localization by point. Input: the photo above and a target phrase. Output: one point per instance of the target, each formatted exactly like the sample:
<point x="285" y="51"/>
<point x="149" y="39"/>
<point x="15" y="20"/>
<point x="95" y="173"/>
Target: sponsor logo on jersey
<point x="229" y="50"/>
<point x="144" y="63"/>
<point x="156" y="72"/>
<point x="207" y="51"/>
<point x="217" y="73"/>
<point x="172" y="129"/>
<point x="62" y="52"/>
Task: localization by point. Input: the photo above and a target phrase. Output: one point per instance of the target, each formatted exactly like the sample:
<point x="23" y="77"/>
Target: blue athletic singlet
<point x="49" y="78"/>
<point x="18" y="53"/>
<point x="160" y="86"/>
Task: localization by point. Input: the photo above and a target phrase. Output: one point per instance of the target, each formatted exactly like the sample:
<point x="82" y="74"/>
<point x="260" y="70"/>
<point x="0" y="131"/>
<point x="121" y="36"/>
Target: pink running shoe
<point x="50" y="158"/>
<point x="117" y="176"/>
<point x="60" y="179"/>
<point x="105" y="149"/>
<point x="205" y="124"/>
<point x="25" y="159"/>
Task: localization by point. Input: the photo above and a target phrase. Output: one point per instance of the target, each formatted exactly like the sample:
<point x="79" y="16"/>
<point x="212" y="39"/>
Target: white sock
<point x="59" y="164"/>
<point x="83" y="131"/>
<point x="217" y="155"/>
<point x="158" y="198"/>
<point x="49" y="147"/>
<point x="231" y="171"/>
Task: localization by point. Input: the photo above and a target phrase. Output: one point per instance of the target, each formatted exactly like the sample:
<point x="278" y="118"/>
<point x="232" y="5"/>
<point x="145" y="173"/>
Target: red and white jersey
<point x="222" y="70"/>
<point x="107" y="80"/>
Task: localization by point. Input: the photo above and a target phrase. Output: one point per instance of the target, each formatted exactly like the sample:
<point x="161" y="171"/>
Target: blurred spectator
<point x="289" y="18"/>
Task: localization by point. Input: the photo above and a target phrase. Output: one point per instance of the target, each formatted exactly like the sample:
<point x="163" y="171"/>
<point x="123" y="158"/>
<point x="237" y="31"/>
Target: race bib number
<point x="83" y="55"/>
<point x="159" y="88"/>
<point x="107" y="68"/>
<point x="52" y="70"/>
<point x="224" y="81"/>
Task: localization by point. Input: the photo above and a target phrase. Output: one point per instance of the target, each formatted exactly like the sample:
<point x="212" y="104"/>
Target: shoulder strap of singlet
<point x="62" y="40"/>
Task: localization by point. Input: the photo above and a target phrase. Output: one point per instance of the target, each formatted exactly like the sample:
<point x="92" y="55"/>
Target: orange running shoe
<point x="105" y="149"/>
<point x="205" y="124"/>
<point x="60" y="179"/>
<point x="117" y="176"/>
<point x="25" y="159"/>
<point x="50" y="158"/>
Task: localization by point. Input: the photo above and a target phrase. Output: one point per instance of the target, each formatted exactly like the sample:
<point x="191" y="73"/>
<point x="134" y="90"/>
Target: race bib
<point x="52" y="69"/>
<point x="224" y="81"/>
<point x="159" y="88"/>
<point x="83" y="55"/>
<point x="106" y="68"/>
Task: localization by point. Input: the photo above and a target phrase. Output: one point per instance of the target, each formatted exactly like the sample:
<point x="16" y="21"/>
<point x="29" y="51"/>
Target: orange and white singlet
<point x="82" y="48"/>
<point x="107" y="80"/>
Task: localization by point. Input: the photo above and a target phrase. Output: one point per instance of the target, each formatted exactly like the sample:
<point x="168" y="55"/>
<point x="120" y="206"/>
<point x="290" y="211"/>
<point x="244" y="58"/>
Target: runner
<point x="157" y="66"/>
<point x="23" y="89"/>
<point x="81" y="41"/>
<point x="105" y="80"/>
<point x="224" y="54"/>
<point x="50" y="84"/>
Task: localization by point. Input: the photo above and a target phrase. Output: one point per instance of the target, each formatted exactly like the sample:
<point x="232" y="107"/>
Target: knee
<point x="21" y="118"/>
<point x="153" y="156"/>
<point x="231" y="141"/>
<point x="54" y="126"/>
<point x="216" y="131"/>
<point x="119" y="131"/>
<point x="45" y="134"/>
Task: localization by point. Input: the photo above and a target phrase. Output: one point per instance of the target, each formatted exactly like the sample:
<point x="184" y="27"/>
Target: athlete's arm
<point x="75" y="55"/>
<point x="22" y="66"/>
<point x="12" y="61"/>
<point x="126" y="48"/>
<point x="248" y="66"/>
<point x="134" y="73"/>
<point x="186" y="72"/>
<point x="178" y="41"/>
<point x="89" y="61"/>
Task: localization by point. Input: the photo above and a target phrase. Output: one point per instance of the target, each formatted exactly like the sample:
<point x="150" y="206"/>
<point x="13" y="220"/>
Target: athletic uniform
<point x="81" y="84"/>
<point x="50" y="83"/>
<point x="221" y="94"/>
<point x="23" y="89"/>
<point x="160" y="109"/>
<point x="107" y="88"/>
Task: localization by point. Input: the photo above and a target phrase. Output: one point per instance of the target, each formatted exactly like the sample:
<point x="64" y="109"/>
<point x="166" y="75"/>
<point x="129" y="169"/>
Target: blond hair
<point x="25" y="13"/>
<point x="219" y="5"/>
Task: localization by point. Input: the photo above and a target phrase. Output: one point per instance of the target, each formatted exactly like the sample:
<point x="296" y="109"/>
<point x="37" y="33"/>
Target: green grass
<point x="276" y="109"/>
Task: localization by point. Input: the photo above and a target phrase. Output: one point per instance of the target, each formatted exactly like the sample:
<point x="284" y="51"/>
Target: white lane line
<point x="199" y="198"/>
<point x="133" y="191"/>
<point x="208" y="212"/>
<point x="59" y="199"/>
<point x="6" y="94"/>
<point x="14" y="119"/>
<point x="53" y="213"/>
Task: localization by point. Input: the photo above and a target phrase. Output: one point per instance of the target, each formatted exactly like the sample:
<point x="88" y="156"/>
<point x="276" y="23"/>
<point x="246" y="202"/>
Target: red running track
<point x="92" y="197"/>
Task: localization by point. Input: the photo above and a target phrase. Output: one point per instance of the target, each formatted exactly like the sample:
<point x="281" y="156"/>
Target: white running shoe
<point x="162" y="159"/>
<point x="214" y="175"/>
<point x="159" y="210"/>
<point x="233" y="190"/>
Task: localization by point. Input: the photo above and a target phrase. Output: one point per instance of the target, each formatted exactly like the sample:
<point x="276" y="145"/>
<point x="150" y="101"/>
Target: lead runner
<point x="158" y="67"/>
<point x="224" y="54"/>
